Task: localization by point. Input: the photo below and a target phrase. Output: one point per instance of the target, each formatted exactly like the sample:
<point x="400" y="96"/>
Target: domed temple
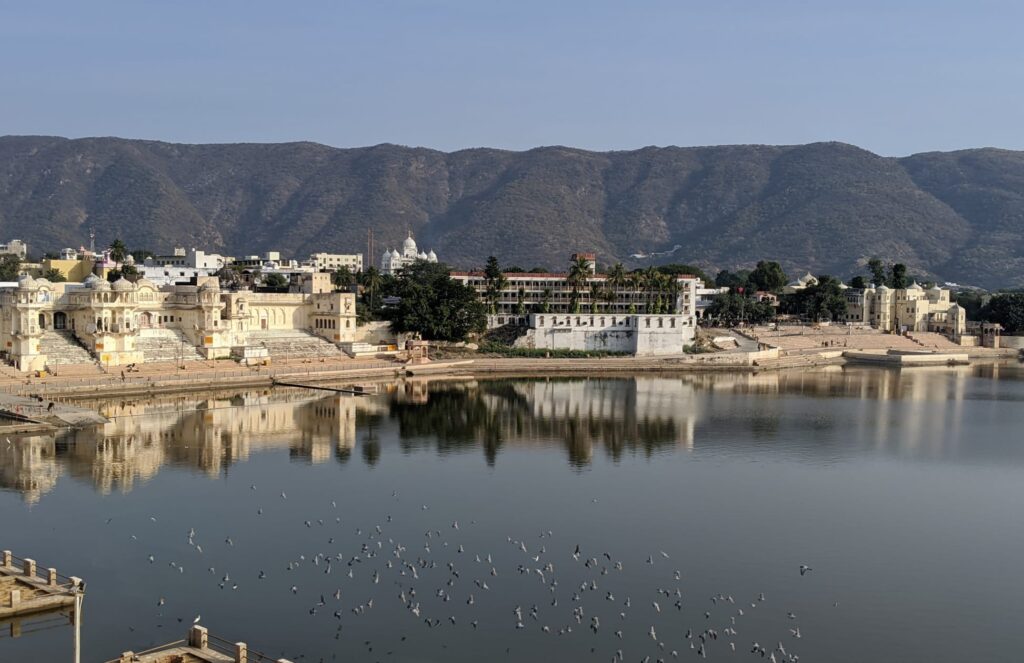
<point x="392" y="260"/>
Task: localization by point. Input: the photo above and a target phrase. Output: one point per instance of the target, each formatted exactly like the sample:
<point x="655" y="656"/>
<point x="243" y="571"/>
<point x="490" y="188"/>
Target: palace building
<point x="43" y="324"/>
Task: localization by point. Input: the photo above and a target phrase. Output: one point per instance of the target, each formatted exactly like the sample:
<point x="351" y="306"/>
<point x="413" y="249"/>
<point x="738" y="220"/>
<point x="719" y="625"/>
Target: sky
<point x="895" y="77"/>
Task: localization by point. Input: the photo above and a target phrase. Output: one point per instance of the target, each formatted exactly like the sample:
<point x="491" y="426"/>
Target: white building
<point x="331" y="262"/>
<point x="639" y="335"/>
<point x="392" y="261"/>
<point x="15" y="247"/>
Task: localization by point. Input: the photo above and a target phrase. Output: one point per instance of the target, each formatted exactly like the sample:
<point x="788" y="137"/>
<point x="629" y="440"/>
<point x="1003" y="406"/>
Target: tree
<point x="898" y="276"/>
<point x="768" y="276"/>
<point x="732" y="280"/>
<point x="731" y="308"/>
<point x="54" y="275"/>
<point x="820" y="302"/>
<point x="1008" y="310"/>
<point x="275" y="280"/>
<point x="229" y="278"/>
<point x="579" y="272"/>
<point x="858" y="282"/>
<point x="682" y="269"/>
<point x="372" y="282"/>
<point x="496" y="282"/>
<point x="10" y="267"/>
<point x="595" y="296"/>
<point x="545" y="300"/>
<point x="118" y="252"/>
<point x="877" y="269"/>
<point x="434" y="305"/>
<point x="521" y="301"/>
<point x="513" y="269"/>
<point x="343" y="278"/>
<point x="140" y="255"/>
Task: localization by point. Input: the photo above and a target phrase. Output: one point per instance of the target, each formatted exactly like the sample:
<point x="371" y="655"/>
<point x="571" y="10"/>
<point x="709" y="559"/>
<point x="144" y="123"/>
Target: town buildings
<point x="14" y="247"/>
<point x="41" y="322"/>
<point x="332" y="262"/>
<point x="911" y="309"/>
<point x="392" y="260"/>
<point x="634" y="314"/>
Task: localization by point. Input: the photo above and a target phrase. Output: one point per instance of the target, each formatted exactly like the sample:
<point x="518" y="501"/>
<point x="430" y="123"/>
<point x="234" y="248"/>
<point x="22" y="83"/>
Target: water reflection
<point x="917" y="413"/>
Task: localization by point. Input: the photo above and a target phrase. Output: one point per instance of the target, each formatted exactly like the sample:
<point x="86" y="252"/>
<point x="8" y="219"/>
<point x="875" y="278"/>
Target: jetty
<point x="198" y="647"/>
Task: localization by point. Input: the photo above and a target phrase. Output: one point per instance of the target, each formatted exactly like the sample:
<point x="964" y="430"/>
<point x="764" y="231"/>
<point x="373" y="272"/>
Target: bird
<point x="196" y="620"/>
<point x="804" y="569"/>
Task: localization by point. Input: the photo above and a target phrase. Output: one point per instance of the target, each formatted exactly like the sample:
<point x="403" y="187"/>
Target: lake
<point x="542" y="519"/>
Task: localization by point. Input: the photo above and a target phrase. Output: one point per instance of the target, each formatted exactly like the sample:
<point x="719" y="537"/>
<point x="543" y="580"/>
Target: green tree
<point x="10" y="267"/>
<point x="521" y="301"/>
<point x="824" y="301"/>
<point x="858" y="282"/>
<point x="140" y="255"/>
<point x="898" y="276"/>
<point x="54" y="275"/>
<point x="682" y="269"/>
<point x="1008" y="310"/>
<point x="731" y="308"/>
<point x="595" y="296"/>
<point x="768" y="276"/>
<point x="733" y="280"/>
<point x="545" y="300"/>
<point x="579" y="272"/>
<point x="275" y="280"/>
<point x="343" y="278"/>
<point x="118" y="252"/>
<point x="372" y="282"/>
<point x="432" y="304"/>
<point x="877" y="269"/>
<point x="496" y="282"/>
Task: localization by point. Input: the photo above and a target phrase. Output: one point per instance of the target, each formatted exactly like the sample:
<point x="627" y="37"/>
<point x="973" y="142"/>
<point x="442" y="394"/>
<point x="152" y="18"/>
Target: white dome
<point x="432" y="256"/>
<point x="409" y="244"/>
<point x="395" y="254"/>
<point x="123" y="284"/>
<point x="914" y="286"/>
<point x="422" y="256"/>
<point x="387" y="254"/>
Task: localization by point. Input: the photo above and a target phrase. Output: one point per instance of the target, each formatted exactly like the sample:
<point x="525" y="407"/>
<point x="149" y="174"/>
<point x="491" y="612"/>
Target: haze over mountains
<point x="823" y="207"/>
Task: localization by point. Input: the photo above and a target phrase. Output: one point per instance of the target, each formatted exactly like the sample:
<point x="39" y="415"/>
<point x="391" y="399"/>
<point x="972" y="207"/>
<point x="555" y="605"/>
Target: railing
<point x="185" y="376"/>
<point x="228" y="648"/>
<point x="30" y="569"/>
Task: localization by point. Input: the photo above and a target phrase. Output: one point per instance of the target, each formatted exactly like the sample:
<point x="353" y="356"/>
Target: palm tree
<point x="617" y="278"/>
<point x="610" y="297"/>
<point x="521" y="301"/>
<point x="545" y="301"/>
<point x="595" y="296"/>
<point x="372" y="281"/>
<point x="579" y="272"/>
<point x="118" y="252"/>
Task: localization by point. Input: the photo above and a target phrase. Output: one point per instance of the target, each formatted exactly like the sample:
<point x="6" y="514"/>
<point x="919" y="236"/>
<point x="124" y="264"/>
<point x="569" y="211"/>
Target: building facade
<point x="14" y="247"/>
<point x="109" y="319"/>
<point x="911" y="309"/>
<point x="332" y="262"/>
<point x="392" y="261"/>
<point x="524" y="293"/>
<point x="639" y="335"/>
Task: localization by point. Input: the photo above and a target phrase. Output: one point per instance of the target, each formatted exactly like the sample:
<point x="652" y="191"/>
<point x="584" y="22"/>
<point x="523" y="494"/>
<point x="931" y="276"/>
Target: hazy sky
<point x="893" y="77"/>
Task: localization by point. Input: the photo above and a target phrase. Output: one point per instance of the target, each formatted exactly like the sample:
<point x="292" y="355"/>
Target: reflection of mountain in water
<point x="809" y="415"/>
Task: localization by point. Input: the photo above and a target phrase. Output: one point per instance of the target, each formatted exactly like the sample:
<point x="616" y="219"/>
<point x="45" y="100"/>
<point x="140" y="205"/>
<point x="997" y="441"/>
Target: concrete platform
<point x="26" y="589"/>
<point x="906" y="359"/>
<point x="199" y="647"/>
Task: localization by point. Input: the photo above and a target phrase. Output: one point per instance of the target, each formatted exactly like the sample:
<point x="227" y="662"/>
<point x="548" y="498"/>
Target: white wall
<point x="641" y="335"/>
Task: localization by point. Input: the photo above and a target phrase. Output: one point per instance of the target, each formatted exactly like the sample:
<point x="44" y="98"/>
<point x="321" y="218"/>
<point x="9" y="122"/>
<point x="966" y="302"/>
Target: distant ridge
<point x="823" y="207"/>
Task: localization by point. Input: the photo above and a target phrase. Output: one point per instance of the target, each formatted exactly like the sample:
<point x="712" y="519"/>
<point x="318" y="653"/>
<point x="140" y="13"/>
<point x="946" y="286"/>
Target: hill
<point x="823" y="207"/>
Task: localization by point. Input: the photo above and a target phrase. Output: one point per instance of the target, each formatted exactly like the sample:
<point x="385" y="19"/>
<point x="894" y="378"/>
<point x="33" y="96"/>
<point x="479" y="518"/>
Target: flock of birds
<point x="521" y="586"/>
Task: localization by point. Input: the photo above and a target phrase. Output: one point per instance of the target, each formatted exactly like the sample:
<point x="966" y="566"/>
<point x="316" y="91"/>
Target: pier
<point x="198" y="647"/>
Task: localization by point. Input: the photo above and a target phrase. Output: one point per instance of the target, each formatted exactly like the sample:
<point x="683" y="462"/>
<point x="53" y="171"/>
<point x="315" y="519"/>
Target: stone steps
<point x="61" y="349"/>
<point x="293" y="345"/>
<point x="165" y="345"/>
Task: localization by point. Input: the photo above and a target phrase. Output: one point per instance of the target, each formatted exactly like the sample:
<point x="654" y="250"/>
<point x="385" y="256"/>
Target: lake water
<point x="688" y="497"/>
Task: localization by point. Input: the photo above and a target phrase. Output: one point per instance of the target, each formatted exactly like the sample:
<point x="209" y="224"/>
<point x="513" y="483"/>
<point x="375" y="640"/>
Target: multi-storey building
<point x="110" y="319"/>
<point x="14" y="247"/>
<point x="524" y="293"/>
<point x="906" y="310"/>
<point x="331" y="262"/>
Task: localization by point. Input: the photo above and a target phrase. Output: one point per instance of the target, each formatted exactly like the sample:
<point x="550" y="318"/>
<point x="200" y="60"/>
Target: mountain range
<point x="821" y="207"/>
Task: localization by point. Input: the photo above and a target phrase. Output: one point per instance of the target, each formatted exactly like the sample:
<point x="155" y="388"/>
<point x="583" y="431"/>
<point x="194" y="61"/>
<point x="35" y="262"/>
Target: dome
<point x="100" y="284"/>
<point x="387" y="254"/>
<point x="422" y="256"/>
<point x="883" y="288"/>
<point x="395" y="254"/>
<point x="914" y="286"/>
<point x="432" y="255"/>
<point x="209" y="285"/>
<point x="122" y="285"/>
<point x="144" y="283"/>
<point x="89" y="280"/>
<point x="409" y="244"/>
<point x="26" y="281"/>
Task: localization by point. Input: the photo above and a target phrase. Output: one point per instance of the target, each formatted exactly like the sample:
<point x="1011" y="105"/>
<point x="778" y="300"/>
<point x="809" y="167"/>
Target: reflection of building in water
<point x="29" y="466"/>
<point x="208" y="434"/>
<point x="621" y="414"/>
